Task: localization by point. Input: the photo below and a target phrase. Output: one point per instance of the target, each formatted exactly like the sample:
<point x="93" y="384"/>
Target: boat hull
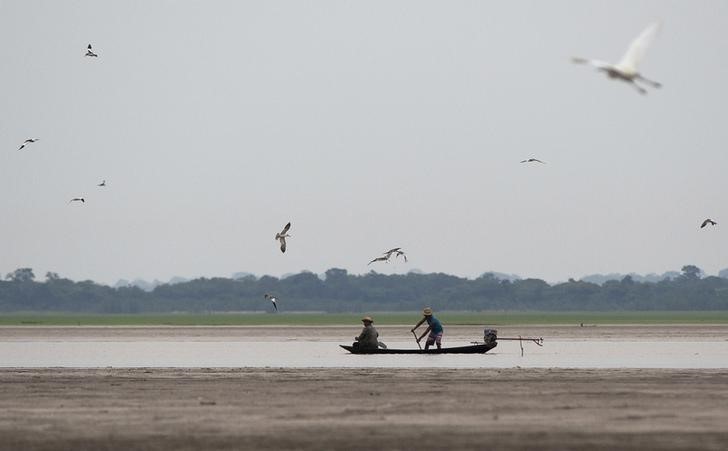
<point x="471" y="349"/>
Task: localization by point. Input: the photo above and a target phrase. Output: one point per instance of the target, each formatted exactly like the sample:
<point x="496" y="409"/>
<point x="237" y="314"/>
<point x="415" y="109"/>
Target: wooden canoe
<point x="471" y="349"/>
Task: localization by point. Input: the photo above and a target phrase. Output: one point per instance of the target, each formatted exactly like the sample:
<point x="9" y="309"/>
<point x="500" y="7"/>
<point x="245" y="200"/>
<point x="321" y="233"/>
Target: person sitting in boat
<point x="369" y="337"/>
<point x="434" y="328"/>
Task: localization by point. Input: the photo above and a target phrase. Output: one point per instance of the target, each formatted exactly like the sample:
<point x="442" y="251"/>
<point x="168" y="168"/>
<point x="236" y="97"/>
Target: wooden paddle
<point x="418" y="341"/>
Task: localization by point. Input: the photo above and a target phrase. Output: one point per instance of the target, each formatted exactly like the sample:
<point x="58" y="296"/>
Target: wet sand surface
<point x="430" y="409"/>
<point x="362" y="408"/>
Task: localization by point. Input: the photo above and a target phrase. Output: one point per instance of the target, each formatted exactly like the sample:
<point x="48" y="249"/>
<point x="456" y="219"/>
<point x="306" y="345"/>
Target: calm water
<point x="299" y="353"/>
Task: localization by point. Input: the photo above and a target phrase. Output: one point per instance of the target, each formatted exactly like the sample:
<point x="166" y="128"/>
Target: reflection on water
<point x="301" y="353"/>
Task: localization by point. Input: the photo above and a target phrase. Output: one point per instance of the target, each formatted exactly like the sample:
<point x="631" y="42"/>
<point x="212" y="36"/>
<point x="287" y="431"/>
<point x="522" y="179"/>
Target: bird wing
<point x="705" y="223"/>
<point x="637" y="49"/>
<point x="283" y="244"/>
<point x="285" y="229"/>
<point x="596" y="63"/>
<point x="89" y="47"/>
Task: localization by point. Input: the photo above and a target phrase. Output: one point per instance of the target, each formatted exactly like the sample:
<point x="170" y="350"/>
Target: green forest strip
<point x="383" y="318"/>
<point x="340" y="293"/>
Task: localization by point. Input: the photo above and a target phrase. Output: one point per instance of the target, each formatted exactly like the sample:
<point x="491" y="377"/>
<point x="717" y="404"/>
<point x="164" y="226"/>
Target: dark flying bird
<point x="76" y="199"/>
<point x="102" y="183"/>
<point x="89" y="52"/>
<point x="706" y="222"/>
<point x="273" y="299"/>
<point x="282" y="236"/>
<point x="28" y="141"/>
<point x="533" y="160"/>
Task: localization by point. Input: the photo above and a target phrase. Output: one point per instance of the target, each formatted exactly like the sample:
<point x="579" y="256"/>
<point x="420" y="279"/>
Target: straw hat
<point x="368" y="318"/>
<point x="427" y="311"/>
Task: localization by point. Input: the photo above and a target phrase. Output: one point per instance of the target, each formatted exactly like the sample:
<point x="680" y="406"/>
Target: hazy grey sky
<point x="368" y="125"/>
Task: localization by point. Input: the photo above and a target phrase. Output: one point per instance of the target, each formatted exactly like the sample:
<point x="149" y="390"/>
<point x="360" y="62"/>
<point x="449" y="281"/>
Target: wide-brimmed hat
<point x="427" y="311"/>
<point x="368" y="318"/>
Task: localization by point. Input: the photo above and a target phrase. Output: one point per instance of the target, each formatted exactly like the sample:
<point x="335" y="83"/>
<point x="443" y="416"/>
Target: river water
<point x="190" y="348"/>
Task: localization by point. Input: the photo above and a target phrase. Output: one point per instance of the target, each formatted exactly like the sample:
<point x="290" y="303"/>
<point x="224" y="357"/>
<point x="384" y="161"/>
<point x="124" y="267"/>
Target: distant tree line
<point x="339" y="291"/>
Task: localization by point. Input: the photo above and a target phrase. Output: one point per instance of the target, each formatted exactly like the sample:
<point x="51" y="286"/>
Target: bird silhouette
<point x="708" y="221"/>
<point x="282" y="236"/>
<point x="90" y="52"/>
<point x="626" y="69"/>
<point x="103" y="183"/>
<point x="532" y="160"/>
<point x="28" y="141"/>
<point x="386" y="255"/>
<point x="273" y="300"/>
<point x="77" y="199"/>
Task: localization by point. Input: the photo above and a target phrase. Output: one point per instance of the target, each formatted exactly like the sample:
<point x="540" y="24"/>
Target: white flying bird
<point x="282" y="236"/>
<point x="28" y="141"/>
<point x="626" y="69"/>
<point x="90" y="52"/>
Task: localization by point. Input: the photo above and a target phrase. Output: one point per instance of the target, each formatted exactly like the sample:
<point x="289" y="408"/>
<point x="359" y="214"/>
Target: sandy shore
<point x="430" y="409"/>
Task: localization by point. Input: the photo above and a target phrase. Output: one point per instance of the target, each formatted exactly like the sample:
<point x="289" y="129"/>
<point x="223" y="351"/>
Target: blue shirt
<point x="435" y="324"/>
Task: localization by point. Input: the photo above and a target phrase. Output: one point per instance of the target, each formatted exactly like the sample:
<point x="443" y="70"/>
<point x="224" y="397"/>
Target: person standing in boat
<point x="434" y="328"/>
<point x="369" y="337"/>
